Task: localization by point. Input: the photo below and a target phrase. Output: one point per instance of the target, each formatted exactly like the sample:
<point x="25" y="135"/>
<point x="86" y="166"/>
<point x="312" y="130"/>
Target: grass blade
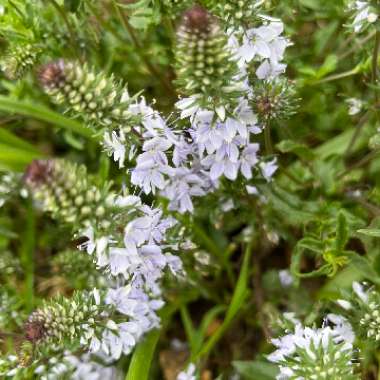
<point x="43" y="113"/>
<point x="237" y="301"/>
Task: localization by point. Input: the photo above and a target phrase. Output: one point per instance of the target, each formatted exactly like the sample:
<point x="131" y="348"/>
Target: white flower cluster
<point x="310" y="353"/>
<point x="264" y="45"/>
<point x="364" y="308"/>
<point x="140" y="260"/>
<point x="364" y="14"/>
<point x="7" y="185"/>
<point x="188" y="374"/>
<point x="140" y="311"/>
<point x="85" y="367"/>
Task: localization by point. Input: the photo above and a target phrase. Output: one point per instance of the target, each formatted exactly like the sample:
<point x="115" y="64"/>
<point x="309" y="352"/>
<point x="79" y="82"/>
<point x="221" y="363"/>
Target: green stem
<point x="140" y="50"/>
<point x="268" y="140"/>
<point x="237" y="302"/>
<point x="367" y="158"/>
<point x="68" y="26"/>
<point x="345" y="74"/>
<point x="375" y="57"/>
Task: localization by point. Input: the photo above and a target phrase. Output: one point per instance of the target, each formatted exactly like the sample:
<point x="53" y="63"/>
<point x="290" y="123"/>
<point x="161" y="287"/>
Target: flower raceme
<point x="65" y="191"/>
<point x="100" y="100"/>
<point x="19" y="59"/>
<point x="205" y="66"/>
<point x="363" y="311"/>
<point x="127" y="239"/>
<point x="316" y="354"/>
<point x="120" y="231"/>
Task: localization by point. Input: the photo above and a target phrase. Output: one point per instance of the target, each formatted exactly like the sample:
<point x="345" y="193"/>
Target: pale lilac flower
<point x="363" y="14"/>
<point x="152" y="165"/>
<point x="183" y="185"/>
<point x="188" y="374"/>
<point x="153" y="123"/>
<point x="360" y="292"/>
<point x="114" y="145"/>
<point x="342" y="329"/>
<point x="270" y="69"/>
<point x="314" y="342"/>
<point x="264" y="43"/>
<point x="249" y="159"/>
<point x="222" y="165"/>
<point x="286" y="279"/>
<point x="268" y="169"/>
<point x="354" y="106"/>
<point x="88" y="367"/>
<point x="252" y="190"/>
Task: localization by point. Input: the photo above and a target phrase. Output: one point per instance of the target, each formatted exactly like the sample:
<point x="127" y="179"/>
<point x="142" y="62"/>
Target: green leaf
<point x="341" y="232"/>
<point x="142" y="357"/>
<point x="8" y="138"/>
<point x="372" y="232"/>
<point x="40" y="112"/>
<point x="16" y="159"/>
<point x="301" y="150"/>
<point x="311" y="244"/>
<point x="237" y="301"/>
<point x="364" y="266"/>
<point x="256" y="370"/>
<point x="329" y="65"/>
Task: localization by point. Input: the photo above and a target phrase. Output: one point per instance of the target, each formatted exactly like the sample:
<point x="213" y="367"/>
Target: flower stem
<point x="139" y="49"/>
<point x="237" y="302"/>
<point x="268" y="140"/>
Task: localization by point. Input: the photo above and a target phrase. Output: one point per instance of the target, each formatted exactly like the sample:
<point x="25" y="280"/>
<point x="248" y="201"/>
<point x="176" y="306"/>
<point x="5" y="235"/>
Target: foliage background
<point x="325" y="190"/>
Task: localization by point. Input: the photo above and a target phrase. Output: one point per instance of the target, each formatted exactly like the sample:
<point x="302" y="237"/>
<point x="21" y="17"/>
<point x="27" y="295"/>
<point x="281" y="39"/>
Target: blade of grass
<point x="200" y="334"/>
<point x="8" y="138"/>
<point x="16" y="159"/>
<point x="43" y="113"/>
<point x="188" y="326"/>
<point x="237" y="301"/>
<point x="142" y="357"/>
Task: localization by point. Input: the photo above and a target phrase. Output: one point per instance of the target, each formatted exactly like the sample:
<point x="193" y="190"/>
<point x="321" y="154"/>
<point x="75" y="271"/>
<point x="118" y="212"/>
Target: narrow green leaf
<point x="300" y="150"/>
<point x="16" y="159"/>
<point x="40" y="112"/>
<point x="188" y="325"/>
<point x="8" y="138"/>
<point x="142" y="357"/>
<point x="372" y="232"/>
<point x="237" y="301"/>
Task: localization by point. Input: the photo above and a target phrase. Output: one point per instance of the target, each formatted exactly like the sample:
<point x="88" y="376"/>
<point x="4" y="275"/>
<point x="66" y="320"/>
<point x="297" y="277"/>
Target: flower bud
<point x="96" y="98"/>
<point x="204" y="63"/>
<point x="60" y="188"/>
